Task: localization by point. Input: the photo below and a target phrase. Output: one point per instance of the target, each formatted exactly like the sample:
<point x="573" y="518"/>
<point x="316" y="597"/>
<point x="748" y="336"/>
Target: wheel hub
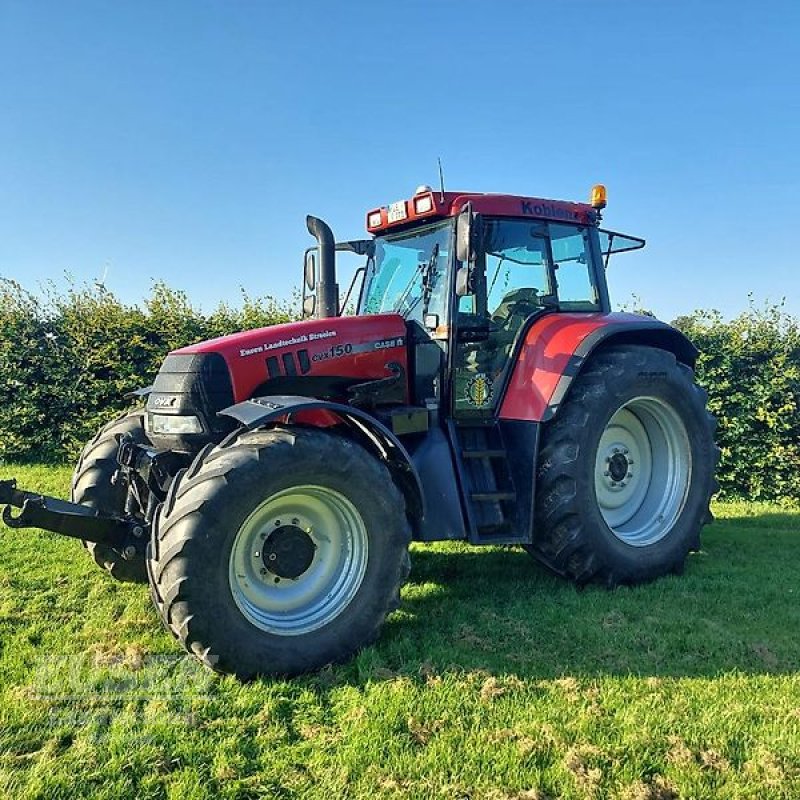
<point x="618" y="467"/>
<point x="288" y="552"/>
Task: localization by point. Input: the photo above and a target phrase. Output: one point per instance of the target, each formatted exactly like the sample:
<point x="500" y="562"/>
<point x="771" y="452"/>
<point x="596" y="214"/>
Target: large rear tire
<point x="626" y="470"/>
<point x="92" y="486"/>
<point x="279" y="552"/>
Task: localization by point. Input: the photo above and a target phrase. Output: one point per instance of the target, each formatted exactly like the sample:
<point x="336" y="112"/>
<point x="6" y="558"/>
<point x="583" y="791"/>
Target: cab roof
<point x="430" y="205"/>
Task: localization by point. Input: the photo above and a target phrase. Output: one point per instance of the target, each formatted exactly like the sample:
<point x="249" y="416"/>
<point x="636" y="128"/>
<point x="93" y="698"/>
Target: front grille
<point x="198" y="384"/>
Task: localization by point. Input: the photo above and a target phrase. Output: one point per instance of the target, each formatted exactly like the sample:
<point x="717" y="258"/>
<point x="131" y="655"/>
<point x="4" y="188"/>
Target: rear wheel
<point x="92" y="485"/>
<point x="279" y="552"/>
<point x="626" y="471"/>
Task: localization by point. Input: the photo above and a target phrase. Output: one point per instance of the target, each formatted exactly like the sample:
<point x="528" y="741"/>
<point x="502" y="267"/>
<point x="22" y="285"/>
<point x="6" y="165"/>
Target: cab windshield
<point x="407" y="273"/>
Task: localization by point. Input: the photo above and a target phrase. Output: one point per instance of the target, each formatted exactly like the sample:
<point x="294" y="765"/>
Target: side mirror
<point x="309" y="282"/>
<point x="310" y="269"/>
<point x="464" y="226"/>
<point x="463" y="281"/>
<point x="468" y="226"/>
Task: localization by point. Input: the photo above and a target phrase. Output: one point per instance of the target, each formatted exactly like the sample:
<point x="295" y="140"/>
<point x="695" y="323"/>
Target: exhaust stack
<point x="327" y="290"/>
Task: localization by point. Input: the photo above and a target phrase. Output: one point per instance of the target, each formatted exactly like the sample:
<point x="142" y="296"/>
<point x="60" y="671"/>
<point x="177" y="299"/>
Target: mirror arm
<point x="343" y="306"/>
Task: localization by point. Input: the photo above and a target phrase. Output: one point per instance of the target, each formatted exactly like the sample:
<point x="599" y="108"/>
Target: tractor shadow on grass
<point x="734" y="608"/>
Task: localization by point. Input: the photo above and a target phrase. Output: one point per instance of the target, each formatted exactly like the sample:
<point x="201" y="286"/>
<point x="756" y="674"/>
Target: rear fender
<point x="557" y="346"/>
<point x="376" y="437"/>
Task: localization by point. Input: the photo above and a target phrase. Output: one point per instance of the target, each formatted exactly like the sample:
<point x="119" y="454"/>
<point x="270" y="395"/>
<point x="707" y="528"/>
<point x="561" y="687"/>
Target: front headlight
<point x="172" y="425"/>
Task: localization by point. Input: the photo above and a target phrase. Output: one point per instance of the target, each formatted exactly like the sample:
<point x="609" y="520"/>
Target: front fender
<point x="557" y="346"/>
<point x="376" y="437"/>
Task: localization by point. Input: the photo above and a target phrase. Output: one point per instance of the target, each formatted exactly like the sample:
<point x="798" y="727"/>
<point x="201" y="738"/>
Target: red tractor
<point x="483" y="391"/>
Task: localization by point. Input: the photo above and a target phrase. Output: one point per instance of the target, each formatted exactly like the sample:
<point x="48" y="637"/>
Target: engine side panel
<point x="556" y="347"/>
<point x="357" y="348"/>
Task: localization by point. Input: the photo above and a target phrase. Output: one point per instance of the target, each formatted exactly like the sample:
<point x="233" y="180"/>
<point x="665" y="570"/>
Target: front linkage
<point x="147" y="476"/>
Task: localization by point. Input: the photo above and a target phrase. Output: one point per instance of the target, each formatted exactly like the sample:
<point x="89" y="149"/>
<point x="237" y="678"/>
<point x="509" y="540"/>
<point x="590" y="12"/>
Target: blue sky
<point x="186" y="141"/>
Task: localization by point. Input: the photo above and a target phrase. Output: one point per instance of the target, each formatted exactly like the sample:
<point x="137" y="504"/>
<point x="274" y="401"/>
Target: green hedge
<point x="751" y="368"/>
<point x="68" y="357"/>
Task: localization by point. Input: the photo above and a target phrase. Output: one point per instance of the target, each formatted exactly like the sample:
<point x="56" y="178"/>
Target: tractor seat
<point x="515" y="307"/>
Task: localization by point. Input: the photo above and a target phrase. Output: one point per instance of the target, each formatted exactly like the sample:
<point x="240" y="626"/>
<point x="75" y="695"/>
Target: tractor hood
<point x="317" y="357"/>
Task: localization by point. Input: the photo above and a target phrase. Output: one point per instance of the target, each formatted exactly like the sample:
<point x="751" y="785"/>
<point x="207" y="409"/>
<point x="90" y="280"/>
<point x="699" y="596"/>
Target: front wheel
<point x="626" y="471"/>
<point x="280" y="552"/>
<point x="93" y="485"/>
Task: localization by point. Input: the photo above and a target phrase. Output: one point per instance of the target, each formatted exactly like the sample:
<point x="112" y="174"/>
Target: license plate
<point x="397" y="211"/>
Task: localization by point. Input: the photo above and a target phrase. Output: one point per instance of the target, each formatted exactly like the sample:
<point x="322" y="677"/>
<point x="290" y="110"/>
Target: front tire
<point x="92" y="486"/>
<point x="626" y="470"/>
<point x="279" y="552"/>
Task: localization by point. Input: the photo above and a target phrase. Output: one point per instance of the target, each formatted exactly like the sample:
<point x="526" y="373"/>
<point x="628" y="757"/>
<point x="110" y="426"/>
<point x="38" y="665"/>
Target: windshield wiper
<point x="428" y="271"/>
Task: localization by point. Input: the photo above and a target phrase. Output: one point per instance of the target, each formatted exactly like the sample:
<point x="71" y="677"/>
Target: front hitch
<point x="127" y="536"/>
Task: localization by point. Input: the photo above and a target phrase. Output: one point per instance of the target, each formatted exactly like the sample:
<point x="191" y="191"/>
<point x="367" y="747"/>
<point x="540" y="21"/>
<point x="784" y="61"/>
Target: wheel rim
<point x="298" y="560"/>
<point x="643" y="471"/>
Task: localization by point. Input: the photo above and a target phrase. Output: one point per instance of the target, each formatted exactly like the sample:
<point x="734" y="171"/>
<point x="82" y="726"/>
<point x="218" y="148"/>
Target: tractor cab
<point x="469" y="273"/>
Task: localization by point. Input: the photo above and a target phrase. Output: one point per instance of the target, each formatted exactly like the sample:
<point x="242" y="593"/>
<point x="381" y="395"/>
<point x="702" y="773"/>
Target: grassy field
<point x="495" y="680"/>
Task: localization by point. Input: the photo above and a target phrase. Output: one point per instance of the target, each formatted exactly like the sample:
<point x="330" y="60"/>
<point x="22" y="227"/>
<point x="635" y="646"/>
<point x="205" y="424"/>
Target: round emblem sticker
<point x="480" y="390"/>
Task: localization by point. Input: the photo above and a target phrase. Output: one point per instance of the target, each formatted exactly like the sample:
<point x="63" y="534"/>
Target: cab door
<point x="513" y="280"/>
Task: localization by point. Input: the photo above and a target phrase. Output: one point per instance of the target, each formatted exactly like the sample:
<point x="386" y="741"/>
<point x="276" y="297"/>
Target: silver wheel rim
<point x="294" y="606"/>
<point x="643" y="471"/>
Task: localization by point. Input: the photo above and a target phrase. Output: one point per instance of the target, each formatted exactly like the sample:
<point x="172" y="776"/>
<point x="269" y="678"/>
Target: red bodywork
<point x="357" y="347"/>
<point x="551" y="343"/>
<point x="451" y="204"/>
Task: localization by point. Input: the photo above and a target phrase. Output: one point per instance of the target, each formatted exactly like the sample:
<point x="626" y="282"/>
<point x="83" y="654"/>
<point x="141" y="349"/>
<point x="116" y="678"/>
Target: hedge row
<point x="751" y="368"/>
<point x="67" y="359"/>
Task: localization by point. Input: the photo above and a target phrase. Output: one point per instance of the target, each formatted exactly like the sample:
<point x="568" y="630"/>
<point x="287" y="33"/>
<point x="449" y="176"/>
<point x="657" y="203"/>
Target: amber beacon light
<point x="598" y="196"/>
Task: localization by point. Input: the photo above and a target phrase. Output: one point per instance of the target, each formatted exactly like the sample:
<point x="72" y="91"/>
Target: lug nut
<point x="138" y="531"/>
<point x="295" y="522"/>
<point x="613" y="483"/>
<point x="277" y="523"/>
<point x="272" y="556"/>
<point x="629" y="475"/>
<point x="263" y="571"/>
<point x="129" y="552"/>
<point x="277" y="580"/>
<point x="606" y="473"/>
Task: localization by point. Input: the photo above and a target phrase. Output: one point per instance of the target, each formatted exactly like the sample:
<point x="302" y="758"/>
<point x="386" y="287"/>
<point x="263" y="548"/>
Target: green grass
<point x="495" y="680"/>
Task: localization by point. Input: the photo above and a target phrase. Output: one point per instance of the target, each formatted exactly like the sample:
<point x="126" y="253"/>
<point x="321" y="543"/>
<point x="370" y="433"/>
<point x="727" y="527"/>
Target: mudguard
<point x="258" y="411"/>
<point x="557" y="346"/>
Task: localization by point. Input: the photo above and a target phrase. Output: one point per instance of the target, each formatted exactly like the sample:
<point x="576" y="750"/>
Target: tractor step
<point x="484" y="454"/>
<point x="490" y="497"/>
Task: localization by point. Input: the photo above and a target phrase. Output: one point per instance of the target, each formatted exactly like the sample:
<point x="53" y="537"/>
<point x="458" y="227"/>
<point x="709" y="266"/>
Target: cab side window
<point x="571" y="262"/>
